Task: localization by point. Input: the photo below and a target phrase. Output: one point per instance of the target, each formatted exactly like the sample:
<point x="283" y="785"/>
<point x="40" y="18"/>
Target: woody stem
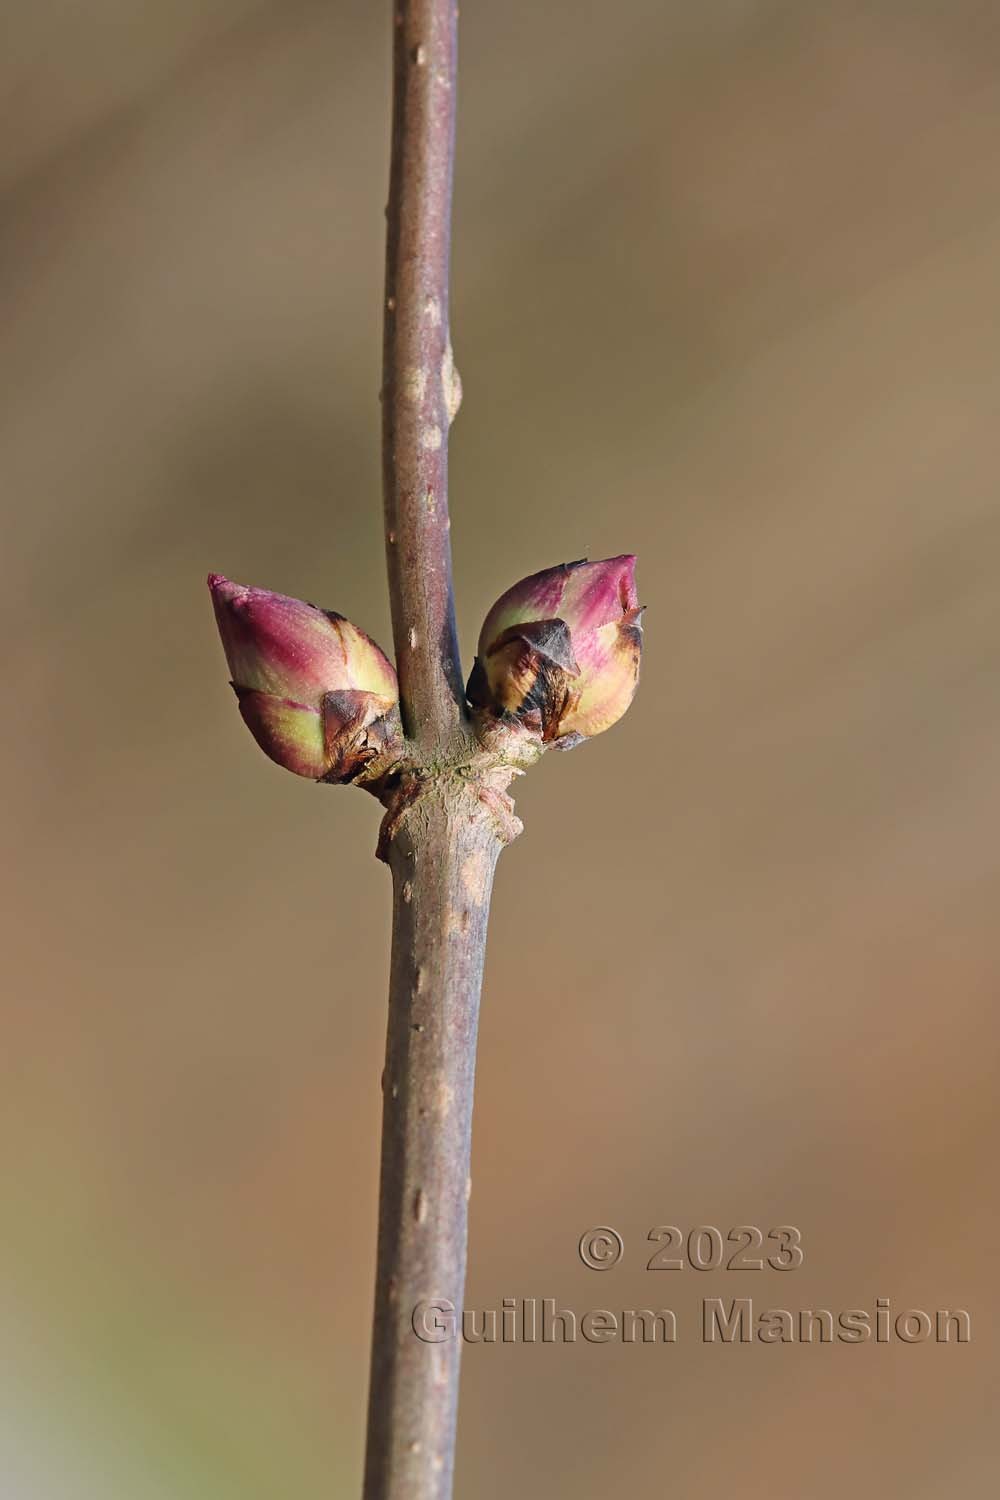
<point x="441" y="838"/>
<point x="419" y="387"/>
<point x="442" y="866"/>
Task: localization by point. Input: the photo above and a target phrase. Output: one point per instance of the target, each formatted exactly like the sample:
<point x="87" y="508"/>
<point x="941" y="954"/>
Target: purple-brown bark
<point x="441" y="836"/>
<point x="419" y="388"/>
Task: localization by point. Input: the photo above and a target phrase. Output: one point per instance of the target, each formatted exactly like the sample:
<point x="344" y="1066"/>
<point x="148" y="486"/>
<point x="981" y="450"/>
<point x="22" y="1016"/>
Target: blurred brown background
<point x="726" y="294"/>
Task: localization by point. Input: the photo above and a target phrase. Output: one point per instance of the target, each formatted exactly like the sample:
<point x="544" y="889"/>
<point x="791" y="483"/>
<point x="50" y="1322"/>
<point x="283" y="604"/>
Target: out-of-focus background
<point x="726" y="294"/>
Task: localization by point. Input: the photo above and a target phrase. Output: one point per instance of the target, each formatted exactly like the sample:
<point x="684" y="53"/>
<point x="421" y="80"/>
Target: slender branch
<point x="446" y="820"/>
<point x="420" y="390"/>
<point x="442" y="867"/>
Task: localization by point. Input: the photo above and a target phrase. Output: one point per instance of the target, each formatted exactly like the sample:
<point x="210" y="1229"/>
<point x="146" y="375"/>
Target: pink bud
<point x="561" y="650"/>
<point x="316" y="693"/>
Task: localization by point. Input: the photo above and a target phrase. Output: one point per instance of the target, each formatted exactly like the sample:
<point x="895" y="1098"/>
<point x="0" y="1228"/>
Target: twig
<point x="442" y="833"/>
<point x="442" y="866"/>
<point x="419" y="391"/>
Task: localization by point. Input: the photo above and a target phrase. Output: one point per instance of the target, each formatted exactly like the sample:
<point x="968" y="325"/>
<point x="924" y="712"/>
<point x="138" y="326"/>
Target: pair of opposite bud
<point x="559" y="653"/>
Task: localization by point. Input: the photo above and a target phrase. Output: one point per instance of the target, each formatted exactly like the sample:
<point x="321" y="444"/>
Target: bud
<point x="317" y="695"/>
<point x="560" y="650"/>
